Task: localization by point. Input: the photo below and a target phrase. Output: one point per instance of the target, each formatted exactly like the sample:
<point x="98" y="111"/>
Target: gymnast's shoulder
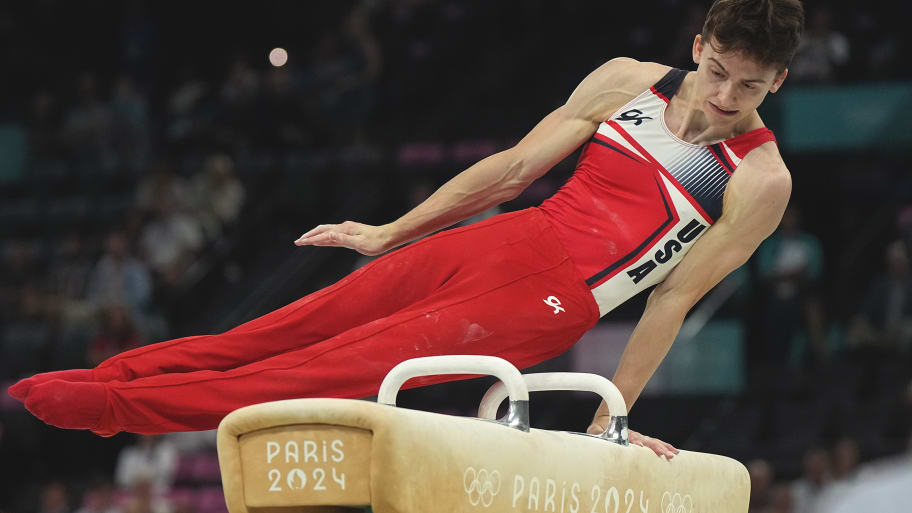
<point x="616" y="82"/>
<point x="765" y="162"/>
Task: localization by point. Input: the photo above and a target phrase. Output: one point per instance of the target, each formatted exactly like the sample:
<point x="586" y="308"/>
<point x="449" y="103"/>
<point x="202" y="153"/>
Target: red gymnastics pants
<point x="483" y="289"/>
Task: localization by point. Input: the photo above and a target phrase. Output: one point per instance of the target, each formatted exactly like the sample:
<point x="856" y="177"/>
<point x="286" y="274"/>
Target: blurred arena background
<point x="157" y="159"/>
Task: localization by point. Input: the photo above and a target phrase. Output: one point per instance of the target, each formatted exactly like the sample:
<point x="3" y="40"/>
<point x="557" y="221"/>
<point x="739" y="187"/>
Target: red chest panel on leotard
<point x="640" y="196"/>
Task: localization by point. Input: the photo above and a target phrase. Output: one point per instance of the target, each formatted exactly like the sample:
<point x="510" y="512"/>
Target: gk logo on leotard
<point x="633" y="115"/>
<point x="555" y="303"/>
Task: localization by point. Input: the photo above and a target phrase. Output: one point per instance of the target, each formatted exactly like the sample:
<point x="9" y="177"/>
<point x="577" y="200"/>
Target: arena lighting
<point x="278" y="57"/>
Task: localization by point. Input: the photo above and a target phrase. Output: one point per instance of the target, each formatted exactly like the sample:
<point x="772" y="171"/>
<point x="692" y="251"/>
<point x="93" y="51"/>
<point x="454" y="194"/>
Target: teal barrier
<point x="810" y="118"/>
<point x="12" y="152"/>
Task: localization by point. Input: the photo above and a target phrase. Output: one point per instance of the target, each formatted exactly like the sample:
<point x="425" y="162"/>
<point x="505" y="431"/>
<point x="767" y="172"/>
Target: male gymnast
<point x="677" y="184"/>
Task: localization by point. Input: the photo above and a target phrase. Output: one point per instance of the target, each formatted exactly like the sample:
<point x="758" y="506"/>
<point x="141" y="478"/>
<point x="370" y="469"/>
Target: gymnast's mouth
<point x="720" y="111"/>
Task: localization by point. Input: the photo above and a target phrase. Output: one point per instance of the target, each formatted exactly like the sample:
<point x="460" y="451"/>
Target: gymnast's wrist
<point x="390" y="236"/>
<point x="600" y="421"/>
<point x="595" y="429"/>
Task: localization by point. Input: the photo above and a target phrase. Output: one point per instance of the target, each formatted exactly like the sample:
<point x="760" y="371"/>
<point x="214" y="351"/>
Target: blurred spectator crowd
<point x="99" y="288"/>
<point x="124" y="190"/>
<point x="162" y="474"/>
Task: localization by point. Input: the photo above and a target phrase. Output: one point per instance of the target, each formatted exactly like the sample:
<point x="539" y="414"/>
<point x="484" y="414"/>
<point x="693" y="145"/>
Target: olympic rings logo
<point x="481" y="486"/>
<point x="676" y="503"/>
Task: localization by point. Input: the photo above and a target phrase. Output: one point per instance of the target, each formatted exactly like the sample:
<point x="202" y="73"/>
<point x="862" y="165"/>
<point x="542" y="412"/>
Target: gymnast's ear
<point x="777" y="83"/>
<point x="697" y="49"/>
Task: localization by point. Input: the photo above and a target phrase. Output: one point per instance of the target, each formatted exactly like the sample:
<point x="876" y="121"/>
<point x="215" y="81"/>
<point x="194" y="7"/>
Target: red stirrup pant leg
<point x="502" y="287"/>
<point x="379" y="289"/>
<point x="510" y="320"/>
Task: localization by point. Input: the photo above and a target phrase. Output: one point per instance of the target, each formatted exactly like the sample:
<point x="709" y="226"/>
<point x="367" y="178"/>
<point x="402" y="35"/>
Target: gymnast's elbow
<point x="518" y="175"/>
<point x="669" y="300"/>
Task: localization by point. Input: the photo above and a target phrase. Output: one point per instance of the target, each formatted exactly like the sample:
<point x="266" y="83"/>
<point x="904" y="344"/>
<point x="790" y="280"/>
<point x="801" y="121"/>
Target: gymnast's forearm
<point x="650" y="342"/>
<point x="491" y="181"/>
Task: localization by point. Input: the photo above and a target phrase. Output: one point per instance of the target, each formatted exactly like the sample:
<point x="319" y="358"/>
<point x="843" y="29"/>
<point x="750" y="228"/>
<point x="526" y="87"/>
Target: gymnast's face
<point x="731" y="85"/>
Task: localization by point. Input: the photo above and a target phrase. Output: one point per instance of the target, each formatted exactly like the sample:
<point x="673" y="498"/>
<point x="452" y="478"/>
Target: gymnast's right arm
<point x="500" y="177"/>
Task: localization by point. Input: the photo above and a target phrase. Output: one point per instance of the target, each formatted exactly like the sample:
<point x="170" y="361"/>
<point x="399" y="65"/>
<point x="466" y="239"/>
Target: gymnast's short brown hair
<point x="767" y="31"/>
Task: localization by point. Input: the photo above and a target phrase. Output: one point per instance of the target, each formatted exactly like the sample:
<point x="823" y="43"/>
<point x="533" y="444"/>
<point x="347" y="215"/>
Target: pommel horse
<point x="339" y="455"/>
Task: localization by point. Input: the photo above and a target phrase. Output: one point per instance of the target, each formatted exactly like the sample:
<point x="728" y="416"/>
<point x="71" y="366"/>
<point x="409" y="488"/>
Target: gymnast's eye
<point x="716" y="73"/>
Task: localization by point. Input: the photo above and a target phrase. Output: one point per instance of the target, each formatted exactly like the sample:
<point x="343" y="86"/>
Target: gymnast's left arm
<point x="754" y="201"/>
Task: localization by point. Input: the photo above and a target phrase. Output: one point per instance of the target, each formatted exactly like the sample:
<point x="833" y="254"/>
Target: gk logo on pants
<point x="555" y="303"/>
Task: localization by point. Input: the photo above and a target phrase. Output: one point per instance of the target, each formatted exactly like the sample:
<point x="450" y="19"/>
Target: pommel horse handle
<point x="511" y="380"/>
<point x="578" y="381"/>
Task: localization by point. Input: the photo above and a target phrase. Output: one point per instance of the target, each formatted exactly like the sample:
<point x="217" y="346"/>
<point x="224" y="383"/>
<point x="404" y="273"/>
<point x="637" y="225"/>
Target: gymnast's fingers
<point x="662" y="448"/>
<point x="656" y="446"/>
<point x="308" y="236"/>
<point x="333" y="238"/>
<point x="659" y="447"/>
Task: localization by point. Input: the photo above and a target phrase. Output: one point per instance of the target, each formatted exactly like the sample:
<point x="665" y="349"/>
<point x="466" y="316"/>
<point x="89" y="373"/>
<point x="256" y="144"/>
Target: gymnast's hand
<point x="659" y="447"/>
<point x="363" y="238"/>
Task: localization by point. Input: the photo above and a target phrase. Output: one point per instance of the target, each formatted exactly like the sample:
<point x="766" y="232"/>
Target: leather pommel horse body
<point x="322" y="455"/>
